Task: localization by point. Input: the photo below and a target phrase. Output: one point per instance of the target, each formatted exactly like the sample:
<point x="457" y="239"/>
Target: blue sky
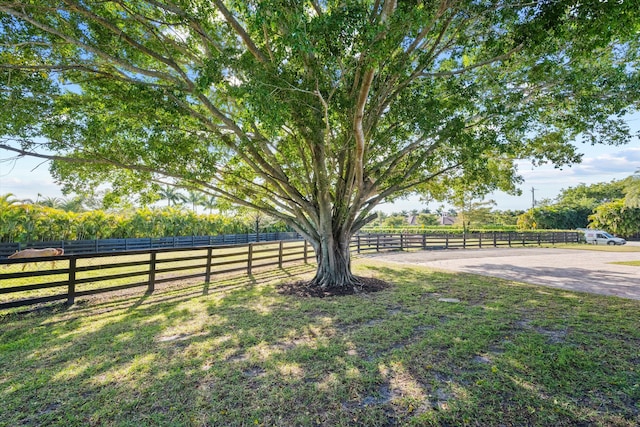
<point x="26" y="178"/>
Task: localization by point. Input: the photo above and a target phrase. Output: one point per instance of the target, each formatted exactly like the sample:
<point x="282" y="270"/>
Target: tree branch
<point x="98" y="52"/>
<point x="241" y="32"/>
<point x="474" y="66"/>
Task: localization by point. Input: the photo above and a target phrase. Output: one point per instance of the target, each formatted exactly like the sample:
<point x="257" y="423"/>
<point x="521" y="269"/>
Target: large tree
<point x="616" y="217"/>
<point x="632" y="191"/>
<point x="313" y="111"/>
<point x="592" y="195"/>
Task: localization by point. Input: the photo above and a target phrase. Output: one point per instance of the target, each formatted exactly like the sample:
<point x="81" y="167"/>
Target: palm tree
<point x="7" y="200"/>
<point x="210" y="203"/>
<point x="632" y="188"/>
<point x="51" y="202"/>
<point x="171" y="195"/>
<point x="196" y="198"/>
<point x="73" y="205"/>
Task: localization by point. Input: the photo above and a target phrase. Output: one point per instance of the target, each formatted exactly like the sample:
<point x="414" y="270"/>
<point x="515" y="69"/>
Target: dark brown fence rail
<point x="88" y="274"/>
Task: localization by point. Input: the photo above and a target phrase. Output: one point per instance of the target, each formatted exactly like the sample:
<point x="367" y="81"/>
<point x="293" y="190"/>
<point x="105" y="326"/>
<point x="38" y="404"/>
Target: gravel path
<point x="576" y="270"/>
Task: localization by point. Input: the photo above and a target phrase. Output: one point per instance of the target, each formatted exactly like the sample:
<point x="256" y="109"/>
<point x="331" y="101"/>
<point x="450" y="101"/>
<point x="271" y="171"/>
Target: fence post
<point x="424" y="241"/>
<point x="207" y="276"/>
<point x="565" y="237"/>
<point x="280" y="255"/>
<point x="401" y="244"/>
<point x="71" y="294"/>
<point x="358" y="242"/>
<point x="250" y="258"/>
<point x="539" y="239"/>
<point x="523" y="239"/>
<point x="377" y="243"/>
<point x="446" y="241"/>
<point x="464" y="240"/>
<point x="480" y="240"/>
<point x="495" y="243"/>
<point x="306" y="261"/>
<point x="152" y="272"/>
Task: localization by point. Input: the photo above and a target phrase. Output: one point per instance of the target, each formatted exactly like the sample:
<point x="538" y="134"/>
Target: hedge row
<point x="27" y="223"/>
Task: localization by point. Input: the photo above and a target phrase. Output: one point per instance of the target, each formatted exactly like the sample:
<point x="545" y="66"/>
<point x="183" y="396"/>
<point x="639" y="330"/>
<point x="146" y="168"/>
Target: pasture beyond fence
<point x="90" y="274"/>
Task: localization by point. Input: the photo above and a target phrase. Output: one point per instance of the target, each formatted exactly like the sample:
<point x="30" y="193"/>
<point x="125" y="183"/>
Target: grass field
<point x="237" y="352"/>
<point x="602" y="248"/>
<point x="632" y="263"/>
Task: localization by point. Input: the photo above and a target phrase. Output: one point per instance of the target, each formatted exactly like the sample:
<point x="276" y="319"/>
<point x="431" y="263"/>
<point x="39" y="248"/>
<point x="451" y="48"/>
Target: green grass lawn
<point x="603" y="248"/>
<point x="236" y="352"/>
<point x="631" y="263"/>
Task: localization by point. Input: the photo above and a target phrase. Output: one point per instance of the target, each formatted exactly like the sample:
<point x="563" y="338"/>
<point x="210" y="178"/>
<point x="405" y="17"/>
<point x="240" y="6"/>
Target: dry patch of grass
<point x="237" y="352"/>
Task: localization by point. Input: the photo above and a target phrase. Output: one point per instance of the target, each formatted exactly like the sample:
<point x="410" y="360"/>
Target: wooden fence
<point x="74" y="247"/>
<point x="383" y="242"/>
<point x="90" y="274"/>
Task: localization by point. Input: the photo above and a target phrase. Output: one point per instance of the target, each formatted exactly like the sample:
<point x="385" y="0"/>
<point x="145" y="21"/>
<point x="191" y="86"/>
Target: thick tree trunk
<point x="334" y="264"/>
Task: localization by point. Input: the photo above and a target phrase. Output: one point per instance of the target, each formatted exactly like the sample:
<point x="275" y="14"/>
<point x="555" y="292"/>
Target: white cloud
<point x="599" y="164"/>
<point x="26" y="178"/>
<point x="625" y="162"/>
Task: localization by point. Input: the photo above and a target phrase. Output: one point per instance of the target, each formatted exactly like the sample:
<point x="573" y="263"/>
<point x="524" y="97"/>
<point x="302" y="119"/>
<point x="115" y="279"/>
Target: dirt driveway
<point x="576" y="270"/>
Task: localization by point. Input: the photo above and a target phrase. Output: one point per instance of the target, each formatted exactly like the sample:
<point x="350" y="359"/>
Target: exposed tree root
<point x="328" y="281"/>
<point x="311" y="289"/>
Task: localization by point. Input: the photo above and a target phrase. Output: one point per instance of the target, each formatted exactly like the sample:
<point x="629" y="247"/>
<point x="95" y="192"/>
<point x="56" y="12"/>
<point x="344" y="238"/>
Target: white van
<point x="599" y="237"/>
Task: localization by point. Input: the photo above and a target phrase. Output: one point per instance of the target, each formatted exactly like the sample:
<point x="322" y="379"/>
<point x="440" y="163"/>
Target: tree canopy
<point x="592" y="195"/>
<point x="313" y="112"/>
<point x="632" y="189"/>
<point x="607" y="205"/>
<point x="617" y="218"/>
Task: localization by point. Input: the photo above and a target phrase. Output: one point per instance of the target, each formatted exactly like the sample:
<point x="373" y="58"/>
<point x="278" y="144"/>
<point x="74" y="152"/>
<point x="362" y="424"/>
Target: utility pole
<point x="533" y="197"/>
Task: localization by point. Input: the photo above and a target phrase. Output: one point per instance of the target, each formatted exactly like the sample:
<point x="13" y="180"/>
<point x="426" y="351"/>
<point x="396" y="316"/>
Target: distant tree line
<point x="478" y="215"/>
<point x="612" y="206"/>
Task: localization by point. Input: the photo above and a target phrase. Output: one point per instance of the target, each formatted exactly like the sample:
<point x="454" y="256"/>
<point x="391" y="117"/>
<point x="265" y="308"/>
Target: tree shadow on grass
<point x="245" y="354"/>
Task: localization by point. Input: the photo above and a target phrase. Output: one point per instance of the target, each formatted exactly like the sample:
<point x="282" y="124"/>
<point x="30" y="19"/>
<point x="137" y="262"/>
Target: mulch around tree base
<point x="302" y="288"/>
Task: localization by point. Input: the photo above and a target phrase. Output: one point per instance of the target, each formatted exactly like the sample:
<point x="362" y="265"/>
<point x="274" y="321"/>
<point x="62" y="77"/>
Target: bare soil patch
<point x="303" y="288"/>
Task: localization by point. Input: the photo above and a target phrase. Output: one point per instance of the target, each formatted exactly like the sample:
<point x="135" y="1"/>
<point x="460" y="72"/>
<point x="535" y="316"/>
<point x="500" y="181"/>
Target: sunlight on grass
<point x="238" y="352"/>
<point x="291" y="371"/>
<point x="601" y="248"/>
<point x="631" y="263"/>
<point x="71" y="371"/>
